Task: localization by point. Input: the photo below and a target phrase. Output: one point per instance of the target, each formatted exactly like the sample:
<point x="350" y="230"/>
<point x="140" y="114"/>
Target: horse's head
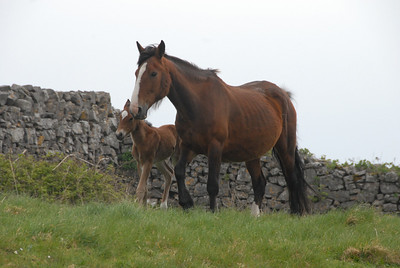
<point x="152" y="80"/>
<point x="126" y="122"/>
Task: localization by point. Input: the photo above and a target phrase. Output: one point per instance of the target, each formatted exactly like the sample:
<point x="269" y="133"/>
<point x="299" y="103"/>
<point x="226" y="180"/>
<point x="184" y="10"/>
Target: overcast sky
<point x="340" y="58"/>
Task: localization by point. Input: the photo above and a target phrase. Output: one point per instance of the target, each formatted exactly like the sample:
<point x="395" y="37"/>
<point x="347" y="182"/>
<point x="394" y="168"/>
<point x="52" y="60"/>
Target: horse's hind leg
<point x="167" y="171"/>
<point x="258" y="180"/>
<point x="214" y="166"/>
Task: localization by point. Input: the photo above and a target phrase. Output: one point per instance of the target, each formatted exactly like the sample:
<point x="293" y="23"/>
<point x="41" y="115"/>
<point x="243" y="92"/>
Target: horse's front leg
<point x="141" y="191"/>
<point x="180" y="169"/>
<point x="214" y="166"/>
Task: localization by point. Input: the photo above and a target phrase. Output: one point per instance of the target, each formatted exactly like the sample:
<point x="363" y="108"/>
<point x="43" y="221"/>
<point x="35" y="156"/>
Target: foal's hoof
<point x="164" y="205"/>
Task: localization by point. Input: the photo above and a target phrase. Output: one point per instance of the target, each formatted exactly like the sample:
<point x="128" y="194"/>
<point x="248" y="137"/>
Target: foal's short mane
<point x="185" y="66"/>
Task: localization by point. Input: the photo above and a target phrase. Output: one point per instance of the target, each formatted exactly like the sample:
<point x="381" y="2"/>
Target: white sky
<point x="340" y="58"/>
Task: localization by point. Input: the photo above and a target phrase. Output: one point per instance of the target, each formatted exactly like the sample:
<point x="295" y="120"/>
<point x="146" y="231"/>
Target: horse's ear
<point x="139" y="46"/>
<point x="160" y="50"/>
<point x="127" y="103"/>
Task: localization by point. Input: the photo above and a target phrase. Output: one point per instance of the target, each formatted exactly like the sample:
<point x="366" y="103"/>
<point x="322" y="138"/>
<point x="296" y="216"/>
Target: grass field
<point x="36" y="233"/>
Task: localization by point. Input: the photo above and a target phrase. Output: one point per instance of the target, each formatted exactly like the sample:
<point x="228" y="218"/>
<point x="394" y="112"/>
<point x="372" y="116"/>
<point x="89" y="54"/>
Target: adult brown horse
<point x="150" y="145"/>
<point x="226" y="123"/>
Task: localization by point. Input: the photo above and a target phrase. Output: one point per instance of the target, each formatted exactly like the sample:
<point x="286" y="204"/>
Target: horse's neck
<point x="138" y="134"/>
<point x="182" y="93"/>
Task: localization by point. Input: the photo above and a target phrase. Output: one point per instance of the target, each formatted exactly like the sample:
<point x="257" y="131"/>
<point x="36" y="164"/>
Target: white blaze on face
<point x="135" y="94"/>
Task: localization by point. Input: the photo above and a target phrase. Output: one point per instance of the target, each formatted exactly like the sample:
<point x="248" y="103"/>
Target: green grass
<point x="35" y="233"/>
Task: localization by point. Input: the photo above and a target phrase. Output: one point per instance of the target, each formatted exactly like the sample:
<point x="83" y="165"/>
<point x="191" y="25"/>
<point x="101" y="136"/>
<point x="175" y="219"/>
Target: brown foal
<point x="150" y="146"/>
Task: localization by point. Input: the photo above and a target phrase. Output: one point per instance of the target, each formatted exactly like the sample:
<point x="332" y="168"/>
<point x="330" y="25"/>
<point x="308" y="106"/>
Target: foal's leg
<point x="167" y="171"/>
<point x="141" y="191"/>
<point x="258" y="180"/>
<point x="180" y="169"/>
<point x="139" y="170"/>
<point x="214" y="166"/>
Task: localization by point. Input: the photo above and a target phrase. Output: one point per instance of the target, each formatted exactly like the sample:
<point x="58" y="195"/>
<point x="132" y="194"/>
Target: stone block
<point x="281" y="181"/>
<point x="275" y="171"/>
<point x="11" y="98"/>
<point x="391" y="177"/>
<point x="17" y="135"/>
<point x="224" y="188"/>
<point x="243" y="175"/>
<point x="322" y="205"/>
<point x="200" y="190"/>
<point x="310" y="175"/>
<point x="24" y="105"/>
<point x="389" y="207"/>
<point x="391" y="198"/>
<point x="332" y="182"/>
<point x="272" y="190"/>
<point x="389" y="188"/>
<point x="191" y="181"/>
<point x="284" y="196"/>
<point x="340" y="196"/>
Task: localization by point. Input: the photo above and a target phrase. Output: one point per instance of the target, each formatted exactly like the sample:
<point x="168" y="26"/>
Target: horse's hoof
<point x="186" y="205"/>
<point x="255" y="210"/>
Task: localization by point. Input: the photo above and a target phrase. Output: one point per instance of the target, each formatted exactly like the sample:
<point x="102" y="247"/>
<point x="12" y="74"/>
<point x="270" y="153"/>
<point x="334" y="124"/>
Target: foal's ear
<point x="160" y="50"/>
<point x="127" y="103"/>
<point x="139" y="46"/>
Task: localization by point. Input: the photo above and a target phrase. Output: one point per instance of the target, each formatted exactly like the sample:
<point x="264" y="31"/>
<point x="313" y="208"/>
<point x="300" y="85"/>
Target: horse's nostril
<point x="141" y="112"/>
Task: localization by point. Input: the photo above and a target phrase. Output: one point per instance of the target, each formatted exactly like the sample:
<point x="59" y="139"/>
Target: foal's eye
<point x="131" y="118"/>
<point x="153" y="74"/>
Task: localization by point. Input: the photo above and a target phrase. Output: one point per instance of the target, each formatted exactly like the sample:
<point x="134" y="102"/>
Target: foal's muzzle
<point x="120" y="135"/>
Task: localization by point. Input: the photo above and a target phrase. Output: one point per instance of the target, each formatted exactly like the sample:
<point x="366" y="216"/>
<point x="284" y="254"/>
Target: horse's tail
<point x="296" y="184"/>
<point x="302" y="183"/>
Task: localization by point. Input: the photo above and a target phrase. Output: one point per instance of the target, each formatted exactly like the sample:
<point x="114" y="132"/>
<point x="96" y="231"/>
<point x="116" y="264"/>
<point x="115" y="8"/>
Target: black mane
<point x="146" y="54"/>
<point x="183" y="65"/>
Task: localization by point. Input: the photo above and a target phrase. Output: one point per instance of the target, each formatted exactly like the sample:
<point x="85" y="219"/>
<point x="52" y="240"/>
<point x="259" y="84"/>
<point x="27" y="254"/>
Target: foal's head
<point x="126" y="122"/>
<point x="152" y="80"/>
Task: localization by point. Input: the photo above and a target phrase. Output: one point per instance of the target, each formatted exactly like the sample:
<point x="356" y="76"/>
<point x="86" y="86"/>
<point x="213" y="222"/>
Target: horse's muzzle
<point x="142" y="112"/>
<point x="138" y="112"/>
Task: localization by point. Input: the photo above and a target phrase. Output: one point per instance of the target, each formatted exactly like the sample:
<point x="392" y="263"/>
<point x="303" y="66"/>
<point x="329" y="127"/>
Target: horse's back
<point x="266" y="97"/>
<point x="256" y="120"/>
<point x="266" y="88"/>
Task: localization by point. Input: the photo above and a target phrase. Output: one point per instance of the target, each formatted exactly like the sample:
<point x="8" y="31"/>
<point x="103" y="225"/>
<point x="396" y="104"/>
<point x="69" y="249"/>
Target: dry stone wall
<point x="336" y="188"/>
<point x="40" y="120"/>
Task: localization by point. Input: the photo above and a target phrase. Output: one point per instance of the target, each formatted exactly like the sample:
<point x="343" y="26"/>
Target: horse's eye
<point x="153" y="74"/>
<point x="131" y="118"/>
